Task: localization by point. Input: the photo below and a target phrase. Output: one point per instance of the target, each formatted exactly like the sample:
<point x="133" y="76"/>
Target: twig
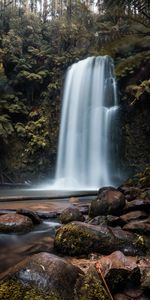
<point x="97" y="265"/>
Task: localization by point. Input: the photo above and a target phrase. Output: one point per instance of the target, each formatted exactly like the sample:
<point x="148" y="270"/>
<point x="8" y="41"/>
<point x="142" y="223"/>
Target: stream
<point x="15" y="247"/>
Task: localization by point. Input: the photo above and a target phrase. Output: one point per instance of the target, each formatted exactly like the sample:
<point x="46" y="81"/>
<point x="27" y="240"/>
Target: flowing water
<point x="88" y="142"/>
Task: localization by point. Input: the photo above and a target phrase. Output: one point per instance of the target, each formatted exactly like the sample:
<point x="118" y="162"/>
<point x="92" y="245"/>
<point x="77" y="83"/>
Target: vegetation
<point x="38" y="41"/>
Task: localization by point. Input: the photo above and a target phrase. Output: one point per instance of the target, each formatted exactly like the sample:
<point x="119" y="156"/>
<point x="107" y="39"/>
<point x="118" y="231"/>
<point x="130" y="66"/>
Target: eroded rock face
<point x="15" y="223"/>
<point x="109" y="201"/>
<point x="71" y="214"/>
<point x="48" y="273"/>
<point x="81" y="238"/>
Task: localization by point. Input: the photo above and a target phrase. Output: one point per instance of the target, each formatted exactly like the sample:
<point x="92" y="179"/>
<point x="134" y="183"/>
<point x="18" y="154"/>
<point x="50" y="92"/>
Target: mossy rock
<point x="15" y="290"/>
<point x="89" y="287"/>
<point x="79" y="238"/>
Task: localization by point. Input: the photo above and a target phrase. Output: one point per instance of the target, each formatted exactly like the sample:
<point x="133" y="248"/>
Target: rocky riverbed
<point x="97" y="249"/>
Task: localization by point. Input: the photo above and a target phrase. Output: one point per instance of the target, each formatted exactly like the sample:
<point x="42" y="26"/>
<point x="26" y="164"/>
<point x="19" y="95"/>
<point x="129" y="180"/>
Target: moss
<point x="130" y="64"/>
<point x="140" y="242"/>
<point x="14" y="290"/>
<point x="73" y="239"/>
<point x="89" y="287"/>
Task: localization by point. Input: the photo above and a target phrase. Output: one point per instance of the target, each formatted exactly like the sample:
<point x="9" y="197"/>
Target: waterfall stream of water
<point x="88" y="146"/>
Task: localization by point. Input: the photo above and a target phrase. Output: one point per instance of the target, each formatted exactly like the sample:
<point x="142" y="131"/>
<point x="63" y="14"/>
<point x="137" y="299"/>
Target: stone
<point x="90" y="287"/>
<point x="138" y="204"/>
<point x="133" y="215"/>
<point x="29" y="213"/>
<point x="71" y="214"/>
<point x="118" y="270"/>
<point x="47" y="273"/>
<point x="140" y="226"/>
<point x="78" y="238"/>
<point x="131" y="193"/>
<point x="106" y="220"/>
<point x="146" y="278"/>
<point x="47" y="215"/>
<point x="109" y="201"/>
<point x="99" y="220"/>
<point x="13" y="222"/>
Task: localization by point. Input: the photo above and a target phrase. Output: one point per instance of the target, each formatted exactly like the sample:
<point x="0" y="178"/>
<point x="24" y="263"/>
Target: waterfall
<point x="88" y="147"/>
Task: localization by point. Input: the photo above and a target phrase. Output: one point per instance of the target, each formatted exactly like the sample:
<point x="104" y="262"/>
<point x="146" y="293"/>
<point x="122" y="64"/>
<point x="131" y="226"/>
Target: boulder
<point x="118" y="270"/>
<point x="46" y="273"/>
<point x="71" y="214"/>
<point x="133" y="215"/>
<point x="128" y="275"/>
<point x="141" y="226"/>
<point x="146" y="278"/>
<point x="47" y="215"/>
<point x="109" y="201"/>
<point x="29" y="213"/>
<point x="106" y="220"/>
<point x="138" y="204"/>
<point x="13" y="222"/>
<point x="90" y="287"/>
<point x="130" y="192"/>
<point x="78" y="238"/>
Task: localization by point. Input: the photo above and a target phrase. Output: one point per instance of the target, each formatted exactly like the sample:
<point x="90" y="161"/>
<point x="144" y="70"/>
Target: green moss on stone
<point x="90" y="288"/>
<point x="14" y="290"/>
<point x="73" y="239"/>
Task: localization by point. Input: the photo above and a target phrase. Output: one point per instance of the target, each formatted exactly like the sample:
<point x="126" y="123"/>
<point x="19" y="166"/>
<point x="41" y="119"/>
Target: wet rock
<point x="133" y="215"/>
<point x="131" y="193"/>
<point x="141" y="226"/>
<point x="79" y="238"/>
<point x="146" y="278"/>
<point x="31" y="214"/>
<point x="138" y="204"/>
<point x="47" y="273"/>
<point x="15" y="223"/>
<point x="47" y="215"/>
<point x="109" y="201"/>
<point x="71" y="214"/>
<point x="120" y="296"/>
<point x="106" y="220"/>
<point x="84" y="209"/>
<point x="118" y="270"/>
<point x="134" y="296"/>
<point x="99" y="220"/>
<point x="7" y="211"/>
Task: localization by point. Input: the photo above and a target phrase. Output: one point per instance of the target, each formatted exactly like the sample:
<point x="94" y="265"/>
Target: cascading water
<point x="87" y="152"/>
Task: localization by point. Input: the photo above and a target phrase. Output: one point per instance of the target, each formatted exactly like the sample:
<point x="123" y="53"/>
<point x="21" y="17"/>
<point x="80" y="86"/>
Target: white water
<point x="87" y="152"/>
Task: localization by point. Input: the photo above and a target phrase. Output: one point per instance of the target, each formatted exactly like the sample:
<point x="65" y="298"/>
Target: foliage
<point x="138" y="90"/>
<point x="38" y="42"/>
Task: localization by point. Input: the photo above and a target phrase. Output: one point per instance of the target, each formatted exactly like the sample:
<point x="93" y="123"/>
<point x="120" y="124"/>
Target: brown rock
<point x="81" y="238"/>
<point x="109" y="201"/>
<point x="141" y="226"/>
<point x="47" y="272"/>
<point x="15" y="223"/>
<point x="138" y="204"/>
<point x="71" y="214"/>
<point x="118" y="269"/>
<point x="31" y="214"/>
<point x="146" y="277"/>
<point x="133" y="215"/>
